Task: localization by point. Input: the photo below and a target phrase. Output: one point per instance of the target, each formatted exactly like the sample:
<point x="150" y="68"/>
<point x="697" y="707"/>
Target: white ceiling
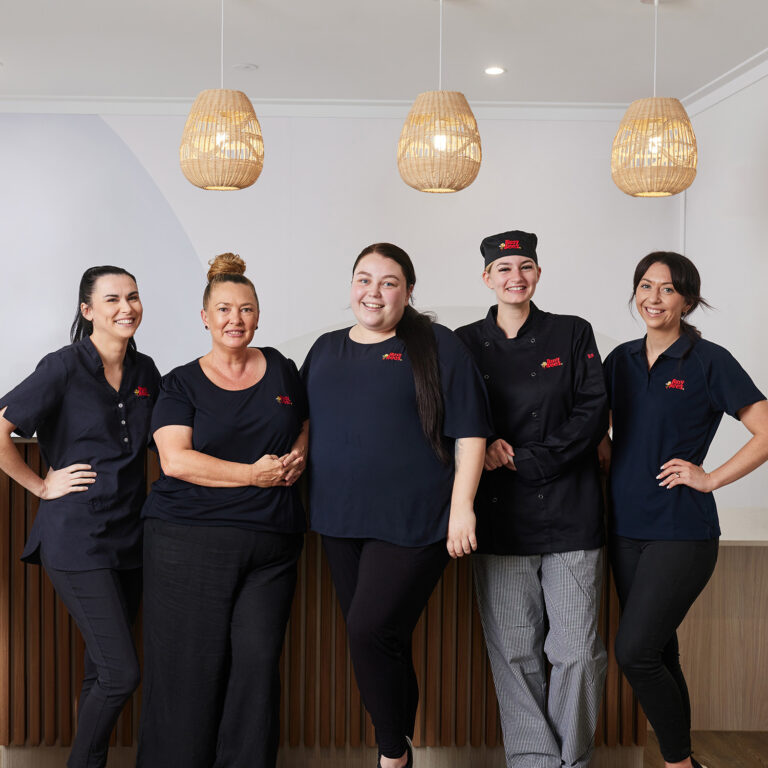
<point x="555" y="51"/>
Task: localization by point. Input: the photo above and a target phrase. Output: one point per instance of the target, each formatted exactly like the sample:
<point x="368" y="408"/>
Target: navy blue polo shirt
<point x="80" y="419"/>
<point x="234" y="425"/>
<point x="548" y="402"/>
<point x="669" y="412"/>
<point x="373" y="474"/>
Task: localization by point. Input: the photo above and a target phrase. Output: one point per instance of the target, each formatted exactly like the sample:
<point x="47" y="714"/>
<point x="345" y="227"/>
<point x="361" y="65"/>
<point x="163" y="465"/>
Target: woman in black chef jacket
<point x="224" y="529"/>
<point x="668" y="392"/>
<point x="90" y="404"/>
<point x="538" y="571"/>
<point x="399" y="420"/>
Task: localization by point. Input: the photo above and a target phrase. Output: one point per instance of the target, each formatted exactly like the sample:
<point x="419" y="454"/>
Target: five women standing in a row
<point x="400" y="417"/>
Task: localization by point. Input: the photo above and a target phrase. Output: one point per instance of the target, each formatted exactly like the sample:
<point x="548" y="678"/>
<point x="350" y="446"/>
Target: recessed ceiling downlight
<point x="495" y="70"/>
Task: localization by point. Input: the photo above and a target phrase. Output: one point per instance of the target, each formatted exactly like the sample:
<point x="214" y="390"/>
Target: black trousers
<point x="216" y="604"/>
<point x="103" y="604"/>
<point x="382" y="590"/>
<point x="657" y="582"/>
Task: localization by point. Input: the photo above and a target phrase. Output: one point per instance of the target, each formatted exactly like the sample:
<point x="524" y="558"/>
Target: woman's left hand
<point x="680" y="472"/>
<point x="294" y="464"/>
<point x="461" y="530"/>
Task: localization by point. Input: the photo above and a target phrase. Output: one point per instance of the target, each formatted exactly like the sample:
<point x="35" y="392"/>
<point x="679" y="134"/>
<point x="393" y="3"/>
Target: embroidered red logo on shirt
<point x="552" y="362"/>
<point x="676" y="384"/>
<point x="510" y="244"/>
<point x="141" y="392"/>
<point x="284" y="400"/>
<point x="392" y="356"/>
<point x="590" y="355"/>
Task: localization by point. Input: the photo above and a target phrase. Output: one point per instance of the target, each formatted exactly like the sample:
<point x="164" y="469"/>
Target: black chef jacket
<point x="548" y="402"/>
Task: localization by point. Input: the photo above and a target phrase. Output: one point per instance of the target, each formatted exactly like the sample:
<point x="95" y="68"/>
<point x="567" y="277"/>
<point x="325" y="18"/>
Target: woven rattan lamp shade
<point x="654" y="151"/>
<point x="439" y="148"/>
<point x="222" y="146"/>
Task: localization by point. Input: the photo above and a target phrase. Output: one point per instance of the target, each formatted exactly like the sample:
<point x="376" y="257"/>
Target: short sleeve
<point x="296" y="384"/>
<point x="730" y="386"/>
<point x="39" y="395"/>
<point x="467" y="412"/>
<point x="173" y="406"/>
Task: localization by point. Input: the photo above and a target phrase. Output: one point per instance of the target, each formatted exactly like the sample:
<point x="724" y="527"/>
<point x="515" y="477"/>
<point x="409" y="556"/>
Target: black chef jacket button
<point x="486" y="343"/>
<point x="486" y="376"/>
<point x="541" y="495"/>
<point x="122" y="421"/>
<point x="534" y="414"/>
<point x="125" y="439"/>
<point x="494" y="500"/>
<point x="533" y="341"/>
<point x="533" y="373"/>
<point x="119" y="405"/>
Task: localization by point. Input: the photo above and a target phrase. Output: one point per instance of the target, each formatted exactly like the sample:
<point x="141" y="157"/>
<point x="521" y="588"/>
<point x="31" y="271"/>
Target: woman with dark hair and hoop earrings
<point x="399" y="420"/>
<point x="90" y="404"/>
<point x="668" y="392"/>
<point x="224" y="530"/>
<point x="539" y="567"/>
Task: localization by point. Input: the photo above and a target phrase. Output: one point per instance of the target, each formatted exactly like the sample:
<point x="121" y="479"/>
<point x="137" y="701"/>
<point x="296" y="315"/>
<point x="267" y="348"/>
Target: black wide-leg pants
<point x="216" y="605"/>
<point x="382" y="590"/>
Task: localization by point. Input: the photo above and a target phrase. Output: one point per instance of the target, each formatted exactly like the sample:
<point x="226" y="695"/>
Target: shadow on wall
<point x="98" y="205"/>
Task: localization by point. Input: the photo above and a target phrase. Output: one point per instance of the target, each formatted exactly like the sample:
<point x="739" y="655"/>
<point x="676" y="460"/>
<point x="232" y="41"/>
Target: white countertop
<point x="744" y="526"/>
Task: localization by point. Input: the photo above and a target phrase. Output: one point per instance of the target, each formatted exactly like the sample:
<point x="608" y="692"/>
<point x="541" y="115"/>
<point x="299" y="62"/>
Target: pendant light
<point x="222" y="147"/>
<point x="654" y="151"/>
<point x="439" y="148"/>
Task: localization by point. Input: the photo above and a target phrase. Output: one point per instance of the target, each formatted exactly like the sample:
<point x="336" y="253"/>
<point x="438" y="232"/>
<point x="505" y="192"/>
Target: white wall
<point x="82" y="190"/>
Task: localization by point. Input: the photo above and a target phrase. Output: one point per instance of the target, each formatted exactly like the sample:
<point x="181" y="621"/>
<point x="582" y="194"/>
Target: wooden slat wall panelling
<point x="448" y="657"/>
<point x="463" y="648"/>
<point x="18" y="613"/>
<point x="41" y="657"/>
<point x="34" y="608"/>
<point x="5" y="609"/>
<point x="430" y="691"/>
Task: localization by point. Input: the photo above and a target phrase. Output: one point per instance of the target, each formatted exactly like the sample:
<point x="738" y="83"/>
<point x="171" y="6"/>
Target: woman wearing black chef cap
<point x="538" y="569"/>
<point x="90" y="403"/>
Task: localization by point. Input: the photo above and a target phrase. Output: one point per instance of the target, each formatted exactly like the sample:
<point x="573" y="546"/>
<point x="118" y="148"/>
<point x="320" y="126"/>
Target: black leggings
<point x="382" y="590"/>
<point x="657" y="582"/>
<point x="103" y="604"/>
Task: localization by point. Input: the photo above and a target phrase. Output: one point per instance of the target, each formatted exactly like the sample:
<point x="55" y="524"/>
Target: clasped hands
<point x="271" y="470"/>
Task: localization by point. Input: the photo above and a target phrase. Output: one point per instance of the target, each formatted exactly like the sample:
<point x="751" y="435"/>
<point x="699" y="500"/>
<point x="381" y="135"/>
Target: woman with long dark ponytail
<point x="90" y="404"/>
<point x="398" y="420"/>
<point x="668" y="392"/>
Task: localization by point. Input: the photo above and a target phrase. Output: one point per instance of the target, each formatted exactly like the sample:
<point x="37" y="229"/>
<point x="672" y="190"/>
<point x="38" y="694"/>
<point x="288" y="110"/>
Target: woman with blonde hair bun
<point x="223" y="531"/>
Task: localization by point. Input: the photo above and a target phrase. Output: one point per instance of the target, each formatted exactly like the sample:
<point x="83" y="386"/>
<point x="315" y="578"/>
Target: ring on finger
<point x="677" y="474"/>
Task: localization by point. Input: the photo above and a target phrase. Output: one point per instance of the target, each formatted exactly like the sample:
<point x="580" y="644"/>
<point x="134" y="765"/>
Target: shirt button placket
<point x="124" y="439"/>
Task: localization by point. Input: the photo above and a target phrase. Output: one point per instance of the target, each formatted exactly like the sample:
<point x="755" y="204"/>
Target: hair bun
<point x="226" y="264"/>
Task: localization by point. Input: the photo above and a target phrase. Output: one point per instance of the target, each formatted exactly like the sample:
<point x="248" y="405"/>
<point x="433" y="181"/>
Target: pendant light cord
<point x="440" y="55"/>
<point x="655" y="40"/>
<point x="222" y="44"/>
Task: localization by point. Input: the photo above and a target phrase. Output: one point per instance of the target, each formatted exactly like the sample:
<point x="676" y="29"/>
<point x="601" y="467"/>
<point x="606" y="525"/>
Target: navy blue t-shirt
<point x="233" y="425"/>
<point x="373" y="473"/>
<point x="80" y="419"/>
<point x="671" y="411"/>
